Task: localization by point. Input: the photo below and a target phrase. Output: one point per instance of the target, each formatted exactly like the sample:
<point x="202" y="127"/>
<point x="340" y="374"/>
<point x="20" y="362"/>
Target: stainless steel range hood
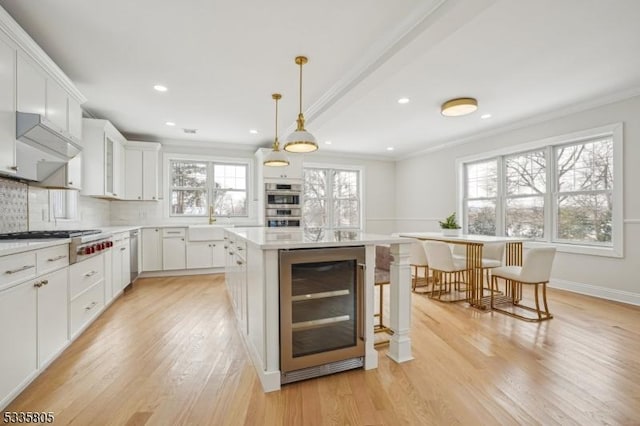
<point x="37" y="131"/>
<point x="42" y="149"/>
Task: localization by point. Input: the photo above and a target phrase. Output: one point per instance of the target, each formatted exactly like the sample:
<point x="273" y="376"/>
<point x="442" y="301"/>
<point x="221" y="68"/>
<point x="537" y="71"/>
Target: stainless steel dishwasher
<point x="133" y="245"/>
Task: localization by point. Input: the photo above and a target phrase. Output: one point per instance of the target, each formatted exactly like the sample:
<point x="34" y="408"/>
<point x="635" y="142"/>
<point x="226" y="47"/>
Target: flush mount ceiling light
<point x="459" y="106"/>
<point x="276" y="158"/>
<point x="301" y="140"/>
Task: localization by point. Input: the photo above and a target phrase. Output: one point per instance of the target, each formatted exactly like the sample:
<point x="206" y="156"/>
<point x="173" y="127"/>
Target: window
<point x="63" y="204"/>
<point x="194" y="183"/>
<point x="331" y="198"/>
<point x="563" y="190"/>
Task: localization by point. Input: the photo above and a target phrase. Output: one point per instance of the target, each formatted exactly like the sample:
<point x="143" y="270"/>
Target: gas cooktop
<point x="32" y="235"/>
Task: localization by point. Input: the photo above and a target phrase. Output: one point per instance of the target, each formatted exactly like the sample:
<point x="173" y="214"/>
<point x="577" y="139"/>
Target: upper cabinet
<point x="266" y="173"/>
<point x="141" y="170"/>
<point x="7" y="109"/>
<point x="103" y="155"/>
<point x="32" y="87"/>
<point x="31" y="82"/>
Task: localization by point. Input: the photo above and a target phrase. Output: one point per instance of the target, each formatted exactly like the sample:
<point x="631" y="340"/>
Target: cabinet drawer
<point x="173" y="232"/>
<point x="84" y="274"/>
<point x="17" y="267"/>
<point x="86" y="306"/>
<point x="120" y="239"/>
<point x="52" y="258"/>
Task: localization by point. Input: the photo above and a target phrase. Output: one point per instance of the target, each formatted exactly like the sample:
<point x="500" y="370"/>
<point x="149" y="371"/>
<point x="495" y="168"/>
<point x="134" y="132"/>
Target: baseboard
<point x="596" y="291"/>
<point x="181" y="272"/>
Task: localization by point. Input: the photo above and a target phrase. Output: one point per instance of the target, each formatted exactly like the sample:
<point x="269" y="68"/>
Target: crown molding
<point x="20" y="37"/>
<point x="530" y="121"/>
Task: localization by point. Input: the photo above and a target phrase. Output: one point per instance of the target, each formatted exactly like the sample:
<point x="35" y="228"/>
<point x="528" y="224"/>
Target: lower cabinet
<point x="53" y="302"/>
<point x="120" y="262"/>
<point x="151" y="249"/>
<point x="86" y="292"/>
<point x="174" y="254"/>
<point x="205" y="254"/>
<point x="18" y="334"/>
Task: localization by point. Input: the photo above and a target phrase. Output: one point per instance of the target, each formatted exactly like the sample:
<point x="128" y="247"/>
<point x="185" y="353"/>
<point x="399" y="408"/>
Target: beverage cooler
<point x="321" y="311"/>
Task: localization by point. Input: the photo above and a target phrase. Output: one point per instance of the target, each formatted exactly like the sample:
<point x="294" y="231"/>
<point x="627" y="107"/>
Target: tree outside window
<point x="194" y="183"/>
<point x="331" y="198"/>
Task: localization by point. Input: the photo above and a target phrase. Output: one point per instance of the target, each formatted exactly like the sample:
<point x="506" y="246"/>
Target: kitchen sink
<point x="207" y="232"/>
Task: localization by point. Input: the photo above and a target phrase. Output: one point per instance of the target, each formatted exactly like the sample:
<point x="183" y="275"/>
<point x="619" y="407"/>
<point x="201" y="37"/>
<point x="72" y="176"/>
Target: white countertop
<point x="463" y="238"/>
<point x="279" y="238"/>
<point x="20" y="246"/>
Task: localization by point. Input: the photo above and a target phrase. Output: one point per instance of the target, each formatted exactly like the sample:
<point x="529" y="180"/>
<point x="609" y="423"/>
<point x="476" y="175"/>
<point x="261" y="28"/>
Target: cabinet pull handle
<point x="360" y="301"/>
<point x="90" y="274"/>
<point x="226" y="246"/>
<point x="24" y="268"/>
<point x="53" y="259"/>
<point x="230" y="253"/>
<point x="239" y="262"/>
<point x="173" y="232"/>
<point x="139" y="197"/>
<point x="123" y="248"/>
<point x="88" y="308"/>
<point x="45" y="282"/>
<point x="14" y="168"/>
<point x="240" y="249"/>
<point x="38" y="284"/>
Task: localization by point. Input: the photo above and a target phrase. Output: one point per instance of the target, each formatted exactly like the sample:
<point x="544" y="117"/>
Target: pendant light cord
<point x="300" y="87"/>
<point x="276" y="139"/>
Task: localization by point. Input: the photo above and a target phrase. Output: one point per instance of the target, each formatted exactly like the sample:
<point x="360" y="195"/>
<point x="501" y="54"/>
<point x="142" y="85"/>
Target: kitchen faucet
<point x="211" y="218"/>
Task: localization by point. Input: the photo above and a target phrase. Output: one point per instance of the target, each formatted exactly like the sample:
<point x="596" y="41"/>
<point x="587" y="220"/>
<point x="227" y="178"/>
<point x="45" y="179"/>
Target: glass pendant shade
<point x="301" y="140"/>
<point x="276" y="158"/>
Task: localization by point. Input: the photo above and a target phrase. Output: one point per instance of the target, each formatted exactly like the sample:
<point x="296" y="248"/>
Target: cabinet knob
<point x="139" y="197"/>
<point x="153" y="198"/>
<point x="14" y="168"/>
<point x="70" y="183"/>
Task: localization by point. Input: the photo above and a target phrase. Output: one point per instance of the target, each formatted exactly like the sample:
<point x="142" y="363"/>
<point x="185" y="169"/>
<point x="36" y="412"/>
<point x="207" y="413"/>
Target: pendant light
<point x="276" y="158"/>
<point x="301" y="140"/>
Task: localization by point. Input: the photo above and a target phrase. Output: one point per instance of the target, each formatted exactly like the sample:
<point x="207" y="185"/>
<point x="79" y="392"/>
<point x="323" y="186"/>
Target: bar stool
<point x="382" y="278"/>
<point x="492" y="257"/>
<point x="419" y="267"/>
<point x="536" y="271"/>
<point x="448" y="273"/>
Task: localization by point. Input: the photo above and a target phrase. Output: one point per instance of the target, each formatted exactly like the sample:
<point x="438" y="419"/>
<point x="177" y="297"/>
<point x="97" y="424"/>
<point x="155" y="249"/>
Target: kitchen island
<point x="253" y="281"/>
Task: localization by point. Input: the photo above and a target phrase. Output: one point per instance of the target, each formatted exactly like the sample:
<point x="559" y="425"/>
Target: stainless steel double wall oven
<point x="283" y="205"/>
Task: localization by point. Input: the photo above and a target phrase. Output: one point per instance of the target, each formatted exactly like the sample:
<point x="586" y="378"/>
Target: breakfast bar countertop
<point x="280" y="238"/>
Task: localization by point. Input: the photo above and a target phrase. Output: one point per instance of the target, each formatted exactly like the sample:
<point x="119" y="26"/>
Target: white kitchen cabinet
<point x="103" y="154"/>
<point x="109" y="290"/>
<point x="74" y="172"/>
<point x="56" y="107"/>
<point x="75" y="118"/>
<point x="18" y="334"/>
<point x="52" y="314"/>
<point x="205" y="254"/>
<point x="32" y="87"/>
<point x="7" y="109"/>
<point x="292" y="171"/>
<point x="121" y="266"/>
<point x="141" y="171"/>
<point x="151" y="249"/>
<point x="174" y="249"/>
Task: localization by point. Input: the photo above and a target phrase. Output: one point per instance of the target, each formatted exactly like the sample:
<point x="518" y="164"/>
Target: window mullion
<point x="501" y="196"/>
<point x="551" y="199"/>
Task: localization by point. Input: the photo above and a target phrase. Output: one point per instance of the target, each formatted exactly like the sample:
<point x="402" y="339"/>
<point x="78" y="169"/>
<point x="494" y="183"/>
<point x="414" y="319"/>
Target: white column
<point x="371" y="355"/>
<point x="400" y="304"/>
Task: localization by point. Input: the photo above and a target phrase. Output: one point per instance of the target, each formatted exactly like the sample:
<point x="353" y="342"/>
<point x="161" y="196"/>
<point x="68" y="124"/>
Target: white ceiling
<point x="222" y="60"/>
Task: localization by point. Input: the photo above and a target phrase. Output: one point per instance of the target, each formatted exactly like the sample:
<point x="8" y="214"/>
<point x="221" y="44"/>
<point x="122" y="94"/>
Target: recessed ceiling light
<point x="170" y="123"/>
<point x="253" y="131"/>
<point x="459" y="106"/>
<point x="485" y="116"/>
<point x="160" y="88"/>
<point x="403" y="100"/>
<point x="327" y="142"/>
<point x="390" y="148"/>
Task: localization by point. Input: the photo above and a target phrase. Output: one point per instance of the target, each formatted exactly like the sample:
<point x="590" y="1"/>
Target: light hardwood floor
<point x="168" y="352"/>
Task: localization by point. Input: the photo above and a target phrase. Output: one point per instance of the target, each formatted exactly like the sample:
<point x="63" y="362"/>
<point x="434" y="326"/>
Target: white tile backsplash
<point x="92" y="212"/>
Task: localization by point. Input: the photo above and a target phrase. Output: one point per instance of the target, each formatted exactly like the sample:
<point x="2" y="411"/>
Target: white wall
<point x="426" y="191"/>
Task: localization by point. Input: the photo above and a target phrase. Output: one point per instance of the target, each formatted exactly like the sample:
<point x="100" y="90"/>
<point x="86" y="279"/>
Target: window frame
<point x="613" y="131"/>
<point x="71" y="205"/>
<point x="330" y="197"/>
<point x="211" y="162"/>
